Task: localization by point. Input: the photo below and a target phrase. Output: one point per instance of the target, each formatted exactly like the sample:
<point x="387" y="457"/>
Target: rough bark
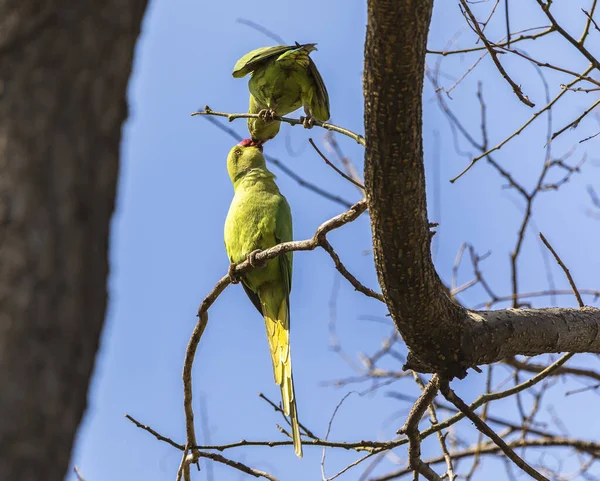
<point x="441" y="336"/>
<point x="64" y="67"/>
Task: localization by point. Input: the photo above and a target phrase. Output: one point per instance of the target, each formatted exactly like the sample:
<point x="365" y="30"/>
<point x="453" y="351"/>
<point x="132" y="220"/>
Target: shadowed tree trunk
<point x="64" y="67"/>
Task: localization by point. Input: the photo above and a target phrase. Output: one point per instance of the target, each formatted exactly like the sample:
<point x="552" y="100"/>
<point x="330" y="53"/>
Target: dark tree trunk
<point x="64" y="67"/>
<point x="441" y="335"/>
<point x="395" y="176"/>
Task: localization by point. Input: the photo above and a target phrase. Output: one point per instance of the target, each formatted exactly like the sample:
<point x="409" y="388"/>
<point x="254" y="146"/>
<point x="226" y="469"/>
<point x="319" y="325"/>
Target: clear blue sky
<point x="167" y="249"/>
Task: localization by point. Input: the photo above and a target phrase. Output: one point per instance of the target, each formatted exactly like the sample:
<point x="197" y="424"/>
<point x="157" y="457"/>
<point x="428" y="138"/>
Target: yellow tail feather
<point x="278" y="333"/>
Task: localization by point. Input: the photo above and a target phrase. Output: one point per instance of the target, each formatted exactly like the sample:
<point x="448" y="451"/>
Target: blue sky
<point x="167" y="246"/>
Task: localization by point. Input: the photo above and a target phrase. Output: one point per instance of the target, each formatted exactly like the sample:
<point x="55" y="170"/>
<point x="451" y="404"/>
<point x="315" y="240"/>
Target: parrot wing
<point x="253" y="296"/>
<point x="257" y="58"/>
<point x="284" y="233"/>
<point x="320" y="102"/>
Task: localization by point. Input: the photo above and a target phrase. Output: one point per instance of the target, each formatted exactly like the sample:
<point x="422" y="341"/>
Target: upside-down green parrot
<point x="283" y="79"/>
<point x="259" y="217"/>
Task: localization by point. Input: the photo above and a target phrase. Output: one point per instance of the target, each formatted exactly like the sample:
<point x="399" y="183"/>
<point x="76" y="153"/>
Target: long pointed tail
<point x="278" y="333"/>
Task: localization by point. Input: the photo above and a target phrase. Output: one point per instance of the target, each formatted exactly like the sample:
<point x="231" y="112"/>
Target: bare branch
<point x="548" y="106"/>
<point x="485" y="429"/>
<point x="328" y="162"/>
<point x="334" y="128"/>
<point x="578" y="45"/>
<point x="411" y="429"/>
<point x="342" y="270"/>
<point x="564" y="268"/>
<point x="277" y="408"/>
<point x="237" y="465"/>
<point x="264" y="30"/>
<point x="575" y="122"/>
<point x="157" y="435"/>
<point x="546" y="30"/>
<point x="564" y="370"/>
<point x="582" y="446"/>
<point x="494" y="55"/>
<point x="78" y="474"/>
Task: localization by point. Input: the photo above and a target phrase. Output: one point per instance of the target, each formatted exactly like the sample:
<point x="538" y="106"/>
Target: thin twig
<point x="564" y="268"/>
<point x="342" y="269"/>
<point x="158" y="436"/>
<point x="324" y="453"/>
<point x="562" y="371"/>
<point x="325" y="125"/>
<point x="78" y="473"/>
<point x="525" y="295"/>
<point x="277" y="408"/>
<point x="237" y="465"/>
<point x="575" y="122"/>
<point x="498" y="146"/>
<point x="264" y="30"/>
<point x="546" y="31"/>
<point x="490" y="448"/>
<point x="331" y="141"/>
<point x="579" y="46"/>
<point x="494" y="55"/>
<point x="330" y="164"/>
<point x="485" y="429"/>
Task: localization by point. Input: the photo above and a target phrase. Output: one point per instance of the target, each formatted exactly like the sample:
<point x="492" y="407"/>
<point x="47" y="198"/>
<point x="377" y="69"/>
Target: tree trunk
<point x="64" y="67"/>
<point x="395" y="176"/>
<point x="441" y="336"/>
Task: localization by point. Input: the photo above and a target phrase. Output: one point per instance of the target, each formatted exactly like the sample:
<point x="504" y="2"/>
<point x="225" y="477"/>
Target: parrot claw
<point x="233" y="277"/>
<point x="267" y="115"/>
<point x="307" y="122"/>
<point x="252" y="258"/>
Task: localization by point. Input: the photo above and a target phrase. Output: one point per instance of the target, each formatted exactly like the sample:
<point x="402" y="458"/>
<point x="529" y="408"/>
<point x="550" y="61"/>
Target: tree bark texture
<point x="64" y="68"/>
<point x="441" y="335"/>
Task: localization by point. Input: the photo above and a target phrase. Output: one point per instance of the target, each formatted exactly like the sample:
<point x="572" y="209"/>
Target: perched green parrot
<point x="259" y="217"/>
<point x="284" y="78"/>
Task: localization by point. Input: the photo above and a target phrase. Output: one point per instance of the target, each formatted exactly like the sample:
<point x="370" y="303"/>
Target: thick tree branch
<point x="441" y="335"/>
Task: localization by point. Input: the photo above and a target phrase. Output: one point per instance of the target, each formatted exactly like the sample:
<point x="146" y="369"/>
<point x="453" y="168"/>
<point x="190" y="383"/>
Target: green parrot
<point x="259" y="217"/>
<point x="284" y="78"/>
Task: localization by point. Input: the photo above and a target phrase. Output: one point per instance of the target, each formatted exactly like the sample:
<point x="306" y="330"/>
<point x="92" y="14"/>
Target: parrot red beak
<point x="252" y="143"/>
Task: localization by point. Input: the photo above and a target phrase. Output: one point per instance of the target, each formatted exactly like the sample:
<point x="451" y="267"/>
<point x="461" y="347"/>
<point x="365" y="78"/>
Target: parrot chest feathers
<point x="251" y="221"/>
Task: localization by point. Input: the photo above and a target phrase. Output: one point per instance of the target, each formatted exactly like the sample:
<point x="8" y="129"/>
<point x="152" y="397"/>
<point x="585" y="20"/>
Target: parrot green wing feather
<point x="256" y="58"/>
<point x="320" y="103"/>
<point x="253" y="296"/>
<point x="284" y="233"/>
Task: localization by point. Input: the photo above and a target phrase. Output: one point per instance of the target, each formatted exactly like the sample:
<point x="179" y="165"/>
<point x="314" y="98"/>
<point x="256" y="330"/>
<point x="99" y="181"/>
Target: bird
<point x="283" y="79"/>
<point x="259" y="217"/>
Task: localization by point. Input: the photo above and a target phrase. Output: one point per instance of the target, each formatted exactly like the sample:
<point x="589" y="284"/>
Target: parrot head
<point x="244" y="157"/>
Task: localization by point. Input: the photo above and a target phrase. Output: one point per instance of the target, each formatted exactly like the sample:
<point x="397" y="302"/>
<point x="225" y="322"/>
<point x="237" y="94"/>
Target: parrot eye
<point x="238" y="152"/>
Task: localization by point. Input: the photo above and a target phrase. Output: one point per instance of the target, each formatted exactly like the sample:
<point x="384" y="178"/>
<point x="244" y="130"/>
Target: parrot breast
<point x="250" y="225"/>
